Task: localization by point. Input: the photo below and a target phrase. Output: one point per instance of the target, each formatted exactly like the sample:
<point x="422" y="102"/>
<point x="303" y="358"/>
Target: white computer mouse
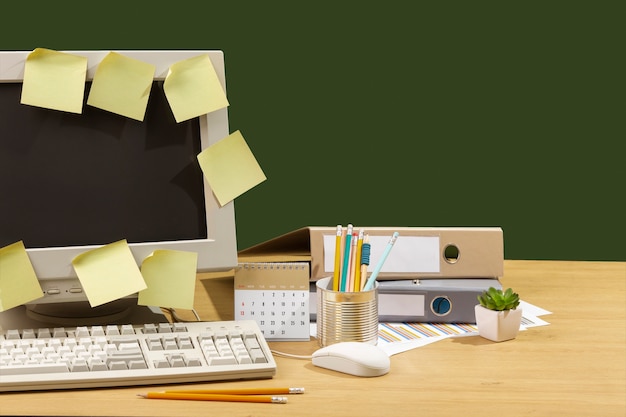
<point x="354" y="358"/>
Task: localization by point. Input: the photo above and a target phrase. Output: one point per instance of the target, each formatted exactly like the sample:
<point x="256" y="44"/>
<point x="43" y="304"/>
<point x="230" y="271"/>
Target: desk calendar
<point x="276" y="296"/>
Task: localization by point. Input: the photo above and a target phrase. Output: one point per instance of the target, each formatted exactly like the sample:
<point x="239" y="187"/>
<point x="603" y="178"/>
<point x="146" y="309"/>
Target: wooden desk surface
<point x="576" y="366"/>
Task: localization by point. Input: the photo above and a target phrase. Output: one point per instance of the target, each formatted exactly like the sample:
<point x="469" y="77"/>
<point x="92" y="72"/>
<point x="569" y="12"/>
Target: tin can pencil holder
<point x="346" y="316"/>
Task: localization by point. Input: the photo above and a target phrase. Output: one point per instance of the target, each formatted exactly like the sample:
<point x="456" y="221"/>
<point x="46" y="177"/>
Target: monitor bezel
<point x="218" y="252"/>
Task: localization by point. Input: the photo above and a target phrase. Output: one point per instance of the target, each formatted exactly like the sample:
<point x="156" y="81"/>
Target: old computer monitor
<point x="73" y="182"/>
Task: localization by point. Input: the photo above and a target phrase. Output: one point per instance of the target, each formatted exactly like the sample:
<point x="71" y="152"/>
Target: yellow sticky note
<point x="171" y="279"/>
<point x="108" y="273"/>
<point x="54" y="80"/>
<point x="192" y="88"/>
<point x="122" y="85"/>
<point x="230" y="168"/>
<point x="18" y="282"/>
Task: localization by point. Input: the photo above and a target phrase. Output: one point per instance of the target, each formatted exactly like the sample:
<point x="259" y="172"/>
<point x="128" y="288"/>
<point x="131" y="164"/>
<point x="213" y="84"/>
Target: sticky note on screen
<point x="18" y="282"/>
<point x="122" y="85"/>
<point x="108" y="273"/>
<point x="192" y="88"/>
<point x="230" y="168"/>
<point x="171" y="279"/>
<point x="54" y="80"/>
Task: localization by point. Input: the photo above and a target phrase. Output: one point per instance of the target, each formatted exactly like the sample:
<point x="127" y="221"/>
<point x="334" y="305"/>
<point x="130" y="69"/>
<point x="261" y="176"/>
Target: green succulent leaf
<point x="496" y="299"/>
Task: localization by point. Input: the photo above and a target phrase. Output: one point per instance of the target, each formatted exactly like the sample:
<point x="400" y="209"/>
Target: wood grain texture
<point x="576" y="366"/>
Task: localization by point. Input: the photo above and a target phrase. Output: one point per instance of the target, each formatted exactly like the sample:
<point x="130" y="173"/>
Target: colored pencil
<point x="372" y="279"/>
<point x="346" y="259"/>
<point x="357" y="261"/>
<point x="338" y="251"/>
<point x="215" y="397"/>
<point x="353" y="263"/>
<point x="365" y="260"/>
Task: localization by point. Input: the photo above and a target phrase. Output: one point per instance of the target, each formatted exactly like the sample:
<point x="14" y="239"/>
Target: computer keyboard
<point x="123" y="355"/>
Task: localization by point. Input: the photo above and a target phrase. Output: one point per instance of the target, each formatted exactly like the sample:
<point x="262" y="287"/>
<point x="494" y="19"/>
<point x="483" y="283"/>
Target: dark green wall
<point x="461" y="113"/>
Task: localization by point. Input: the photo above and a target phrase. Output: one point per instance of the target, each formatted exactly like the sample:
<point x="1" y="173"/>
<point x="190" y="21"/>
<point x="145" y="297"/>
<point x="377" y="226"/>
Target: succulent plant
<point x="498" y="300"/>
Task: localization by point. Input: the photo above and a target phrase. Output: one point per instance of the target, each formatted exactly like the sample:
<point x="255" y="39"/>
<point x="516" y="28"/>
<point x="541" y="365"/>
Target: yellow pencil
<point x="243" y="391"/>
<point x="215" y="397"/>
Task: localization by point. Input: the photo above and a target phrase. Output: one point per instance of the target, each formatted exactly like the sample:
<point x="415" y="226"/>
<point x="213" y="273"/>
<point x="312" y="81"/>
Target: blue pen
<point x="372" y="279"/>
<point x="346" y="259"/>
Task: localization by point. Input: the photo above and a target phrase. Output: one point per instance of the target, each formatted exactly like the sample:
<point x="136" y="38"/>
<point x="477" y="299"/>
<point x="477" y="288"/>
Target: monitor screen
<point x="73" y="182"/>
<point x="97" y="177"/>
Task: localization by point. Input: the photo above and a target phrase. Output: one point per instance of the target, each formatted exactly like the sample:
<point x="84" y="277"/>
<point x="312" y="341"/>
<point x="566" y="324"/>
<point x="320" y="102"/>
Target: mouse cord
<point x="290" y="355"/>
<point x="177" y="318"/>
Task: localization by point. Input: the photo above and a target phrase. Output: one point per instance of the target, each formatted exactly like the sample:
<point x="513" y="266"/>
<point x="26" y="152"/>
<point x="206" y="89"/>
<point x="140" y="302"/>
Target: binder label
<point x="412" y="254"/>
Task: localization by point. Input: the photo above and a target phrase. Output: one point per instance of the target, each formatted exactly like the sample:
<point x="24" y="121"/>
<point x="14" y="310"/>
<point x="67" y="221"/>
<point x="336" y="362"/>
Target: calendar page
<point x="276" y="296"/>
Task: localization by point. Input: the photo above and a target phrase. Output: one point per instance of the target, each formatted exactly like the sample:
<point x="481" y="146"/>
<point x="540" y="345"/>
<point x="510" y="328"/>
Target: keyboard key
<point x="84" y="341"/>
<point x="244" y="359"/>
<point x="170" y="345"/>
<point x="96" y="364"/>
<point x="194" y="362"/>
<point x="33" y="369"/>
<point x="31" y="351"/>
<point x="179" y="327"/>
<point x="161" y="363"/>
<point x="59" y="332"/>
<point x="97" y="331"/>
<point x="54" y="343"/>
<point x="149" y="328"/>
<point x="155" y="344"/>
<point x="70" y="342"/>
<point x="44" y="333"/>
<point x="176" y="361"/>
<point x="82" y="331"/>
<point x="222" y="360"/>
<point x="185" y="343"/>
<point x="14" y="352"/>
<point x="112" y="330"/>
<point x="79" y="365"/>
<point x="12" y="335"/>
<point x="129" y="346"/>
<point x="118" y="366"/>
<point x="28" y="334"/>
<point x="137" y="364"/>
<point x="100" y="341"/>
<point x="257" y="356"/>
<point x="127" y="329"/>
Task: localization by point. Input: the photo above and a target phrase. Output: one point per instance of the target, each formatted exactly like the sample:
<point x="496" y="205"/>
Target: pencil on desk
<point x="243" y="391"/>
<point x="338" y="251"/>
<point x="215" y="397"/>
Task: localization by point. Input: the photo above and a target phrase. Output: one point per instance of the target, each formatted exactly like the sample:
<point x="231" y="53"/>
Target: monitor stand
<point x="123" y="311"/>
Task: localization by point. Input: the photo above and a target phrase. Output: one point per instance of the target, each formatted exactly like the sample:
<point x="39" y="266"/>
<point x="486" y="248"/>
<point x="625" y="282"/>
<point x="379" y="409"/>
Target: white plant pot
<point x="498" y="326"/>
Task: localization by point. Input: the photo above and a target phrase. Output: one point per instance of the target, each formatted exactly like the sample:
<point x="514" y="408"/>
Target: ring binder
<point x="421" y="252"/>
